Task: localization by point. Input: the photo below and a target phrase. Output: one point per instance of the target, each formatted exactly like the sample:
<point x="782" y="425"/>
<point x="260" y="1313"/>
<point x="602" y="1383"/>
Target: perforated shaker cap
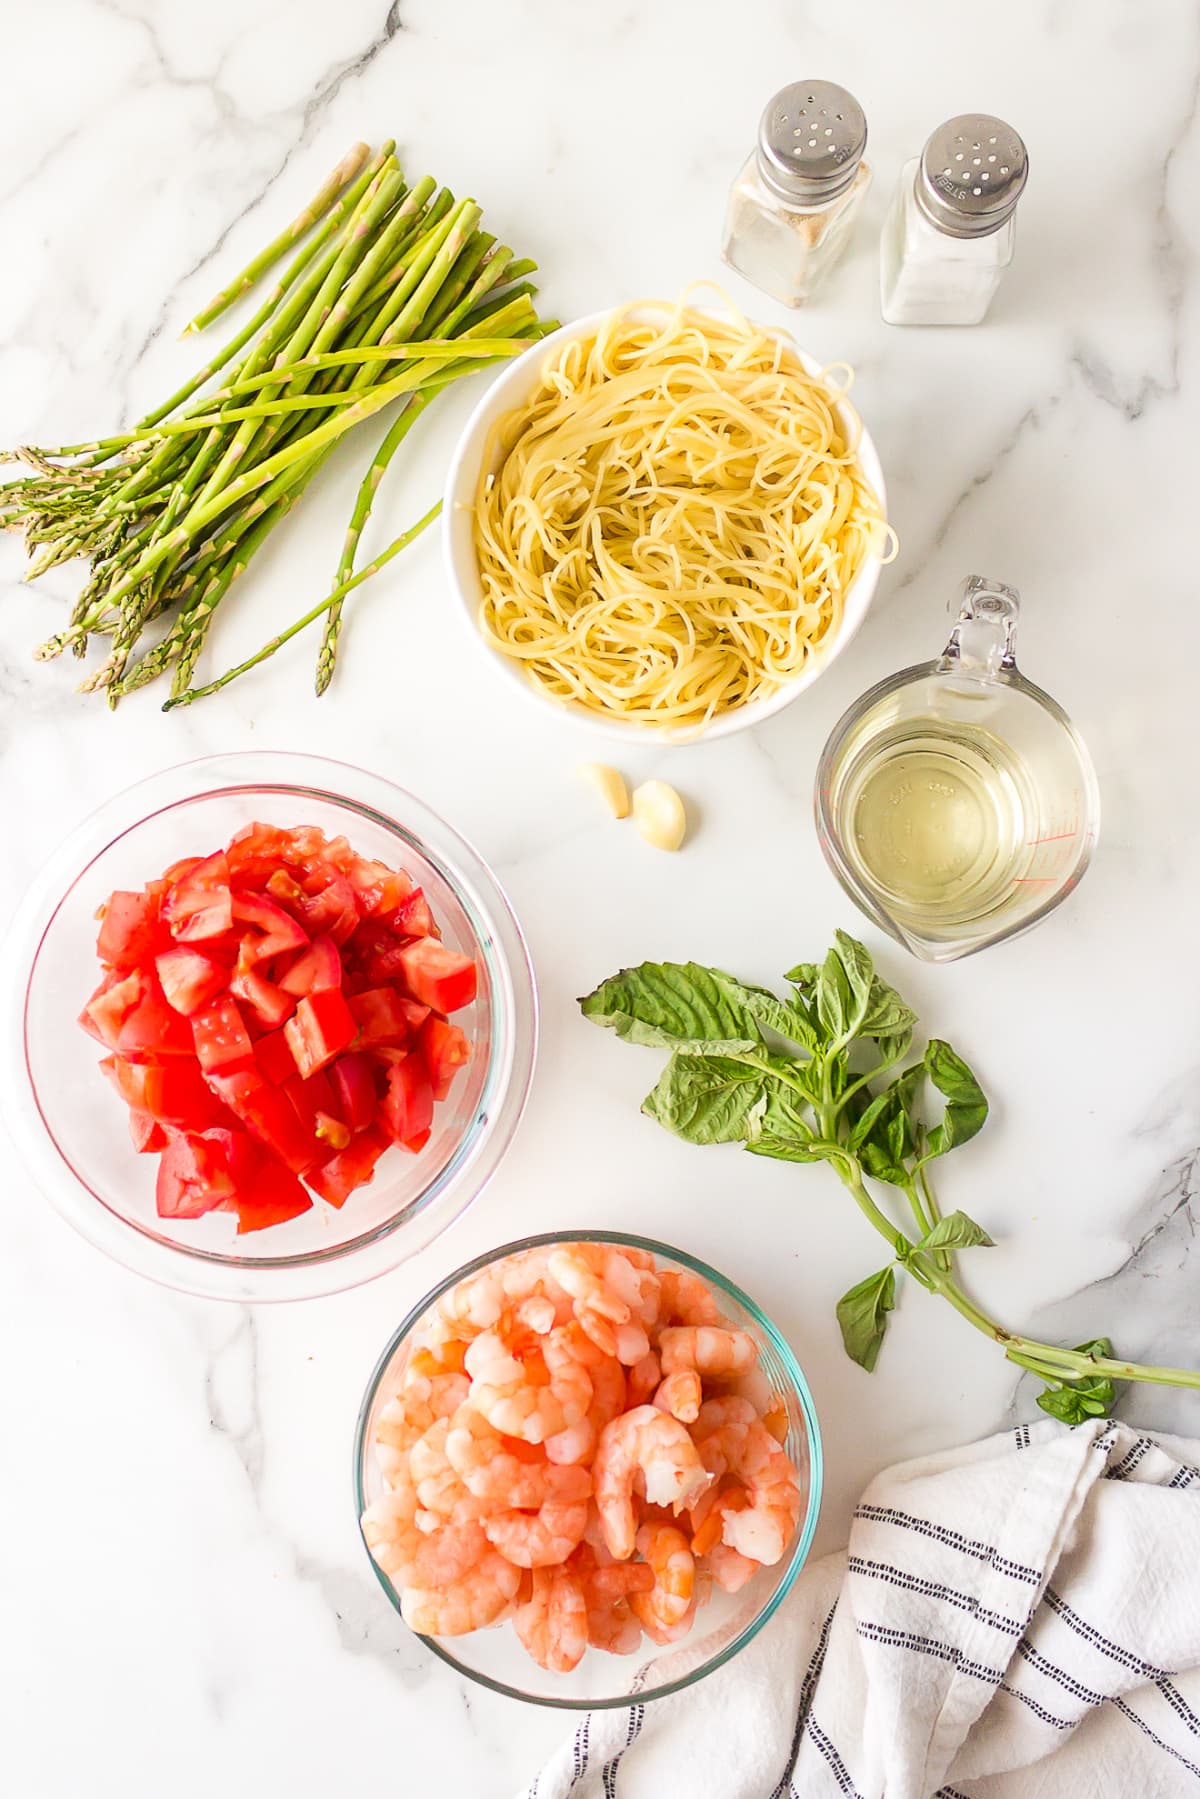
<point x="973" y="172"/>
<point x="810" y="142"/>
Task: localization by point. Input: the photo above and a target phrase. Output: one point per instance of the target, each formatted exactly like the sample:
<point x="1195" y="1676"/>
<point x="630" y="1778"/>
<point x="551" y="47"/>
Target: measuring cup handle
<point x="985" y="630"/>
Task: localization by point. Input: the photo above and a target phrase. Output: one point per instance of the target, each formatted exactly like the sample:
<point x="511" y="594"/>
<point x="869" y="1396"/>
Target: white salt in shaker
<point x="950" y="228"/>
<point x="792" y="204"/>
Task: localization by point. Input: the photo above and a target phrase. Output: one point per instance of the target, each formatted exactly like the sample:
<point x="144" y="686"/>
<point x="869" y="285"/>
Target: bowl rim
<point x="486" y="1136"/>
<point x="462" y="478"/>
<point x="804" y="1536"/>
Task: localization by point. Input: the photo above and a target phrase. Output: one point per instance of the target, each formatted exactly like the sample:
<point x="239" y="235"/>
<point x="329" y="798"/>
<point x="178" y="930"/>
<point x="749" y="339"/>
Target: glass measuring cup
<point x="955" y="802"/>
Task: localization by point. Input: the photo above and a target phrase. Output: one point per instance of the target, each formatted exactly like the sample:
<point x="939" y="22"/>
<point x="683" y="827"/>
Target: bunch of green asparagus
<point x="395" y="293"/>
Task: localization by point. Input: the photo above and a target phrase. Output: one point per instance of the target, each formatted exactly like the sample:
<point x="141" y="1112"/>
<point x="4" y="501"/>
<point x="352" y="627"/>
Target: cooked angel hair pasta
<point x="672" y="521"/>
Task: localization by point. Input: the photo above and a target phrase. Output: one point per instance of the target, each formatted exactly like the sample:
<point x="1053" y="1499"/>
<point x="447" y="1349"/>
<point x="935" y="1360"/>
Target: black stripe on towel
<point x="1125" y="1658"/>
<point x="837" y="1766"/>
<point x="1061" y="1678"/>
<point x="953" y="1539"/>
<point x="933" y="1589"/>
<point x="1179" y="1705"/>
<point x="1127" y="1711"/>
<point x="608" y="1774"/>
<point x="1183" y="1477"/>
<point x="580" y="1751"/>
<point x="945" y="1652"/>
<point x="1039" y="1711"/>
<point x="812" y="1675"/>
<point x="1129" y="1460"/>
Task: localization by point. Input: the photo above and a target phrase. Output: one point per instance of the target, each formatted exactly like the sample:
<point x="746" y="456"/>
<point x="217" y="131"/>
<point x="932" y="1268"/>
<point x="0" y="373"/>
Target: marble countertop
<point x="183" y="1578"/>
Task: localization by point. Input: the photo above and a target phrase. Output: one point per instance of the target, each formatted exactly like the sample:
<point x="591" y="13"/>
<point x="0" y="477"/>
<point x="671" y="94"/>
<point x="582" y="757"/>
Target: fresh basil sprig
<point x="816" y="1076"/>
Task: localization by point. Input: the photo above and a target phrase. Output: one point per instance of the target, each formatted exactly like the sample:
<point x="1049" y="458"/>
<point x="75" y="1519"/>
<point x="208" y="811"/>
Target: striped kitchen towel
<point x="1019" y="1619"/>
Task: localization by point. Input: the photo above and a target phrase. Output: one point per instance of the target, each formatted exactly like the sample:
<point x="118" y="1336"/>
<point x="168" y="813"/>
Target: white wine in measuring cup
<point x="955" y="802"/>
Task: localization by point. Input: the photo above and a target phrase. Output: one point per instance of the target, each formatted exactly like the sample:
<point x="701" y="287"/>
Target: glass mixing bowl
<point x="71" y="1128"/>
<point x="725" y="1624"/>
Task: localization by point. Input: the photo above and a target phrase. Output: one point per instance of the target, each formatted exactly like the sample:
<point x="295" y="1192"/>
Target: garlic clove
<point x="659" y="815"/>
<point x="609" y="783"/>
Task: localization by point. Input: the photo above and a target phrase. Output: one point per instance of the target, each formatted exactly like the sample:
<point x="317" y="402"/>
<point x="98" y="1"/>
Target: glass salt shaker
<point x="949" y="233"/>
<point x="792" y="205"/>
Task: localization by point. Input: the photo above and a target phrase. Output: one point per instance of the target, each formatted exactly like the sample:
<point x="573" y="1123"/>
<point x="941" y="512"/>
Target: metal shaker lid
<point x="810" y="142"/>
<point x="973" y="171"/>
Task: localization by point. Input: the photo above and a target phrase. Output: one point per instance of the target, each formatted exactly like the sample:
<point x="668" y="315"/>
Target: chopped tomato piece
<point x="331" y="1131"/>
<point x="188" y="978"/>
<point x="200" y="905"/>
<point x="268" y="1115"/>
<point x="273" y="1197"/>
<point x="311" y="1098"/>
<point x="222" y="1040"/>
<point x="284" y="887"/>
<point x="177" y="871"/>
<point x="274" y="1058"/>
<point x="131" y="931"/>
<point x="133" y="1017"/>
<point x="315" y="969"/>
<point x="174" y="1092"/>
<point x="332" y="912"/>
<point x="407" y="1107"/>
<point x="379" y="889"/>
<point x="336" y="1179"/>
<point x="145" y="1132"/>
<point x="438" y="977"/>
<point x="193" y="1178"/>
<point x="109" y="1007"/>
<point x="413" y="918"/>
<point x="353" y="1081"/>
<point x="255" y="852"/>
<point x="444" y="1050"/>
<point x="322" y="1027"/>
<point x="380" y="1016"/>
<point x="279" y="930"/>
<point x="269" y="1003"/>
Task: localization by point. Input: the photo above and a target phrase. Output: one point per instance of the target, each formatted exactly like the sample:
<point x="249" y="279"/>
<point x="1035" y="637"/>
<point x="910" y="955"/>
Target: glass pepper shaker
<point x="949" y="233"/>
<point x="792" y="205"/>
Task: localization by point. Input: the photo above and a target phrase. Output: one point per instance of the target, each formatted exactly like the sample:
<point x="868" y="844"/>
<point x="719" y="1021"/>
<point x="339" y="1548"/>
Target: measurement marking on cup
<point x="1035" y="880"/>
<point x="1058" y="837"/>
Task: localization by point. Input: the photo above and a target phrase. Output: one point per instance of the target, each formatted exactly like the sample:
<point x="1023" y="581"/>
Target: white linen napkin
<point x="1019" y="1619"/>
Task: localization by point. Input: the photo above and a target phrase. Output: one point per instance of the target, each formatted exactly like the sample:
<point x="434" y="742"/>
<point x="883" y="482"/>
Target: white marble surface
<point x="186" y="1605"/>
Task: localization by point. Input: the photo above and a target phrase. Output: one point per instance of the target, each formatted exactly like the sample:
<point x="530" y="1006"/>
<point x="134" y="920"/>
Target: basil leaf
<point x="790" y="1018"/>
<point x="862" y="1315"/>
<point x="886" y="1014"/>
<point x="966" y="1107"/>
<point x="792" y="1149"/>
<point x="835" y="1002"/>
<point x="804" y="976"/>
<point x="884" y="1137"/>
<point x="1091" y="1396"/>
<point x="673" y="1005"/>
<point x="709" y="1099"/>
<point x="956" y="1231"/>
<point x="860" y="970"/>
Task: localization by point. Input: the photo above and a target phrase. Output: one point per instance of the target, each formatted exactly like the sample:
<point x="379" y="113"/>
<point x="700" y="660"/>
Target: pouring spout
<point x="983" y="640"/>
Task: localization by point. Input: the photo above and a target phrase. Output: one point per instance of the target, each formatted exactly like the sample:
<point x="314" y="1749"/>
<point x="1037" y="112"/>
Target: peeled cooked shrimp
<point x="684" y="1299"/>
<point x="472" y="1602"/>
<point x="552" y="1623"/>
<point x="647" y="1445"/>
<point x="627" y="1342"/>
<point x="748" y="1451"/>
<point x="666" y="1611"/>
<point x="410" y="1557"/>
<point x="421" y="1401"/>
<point x="440" y="1488"/>
<point x="578" y="1441"/>
<point x="541" y="1539"/>
<point x="611" y="1624"/>
<point x="643" y="1377"/>
<point x="680" y="1394"/>
<point x="706" y="1349"/>
<point x="729" y="1568"/>
<point x="505" y="1470"/>
<point x="578" y="1272"/>
<point x="472" y="1306"/>
<point x="531" y="1394"/>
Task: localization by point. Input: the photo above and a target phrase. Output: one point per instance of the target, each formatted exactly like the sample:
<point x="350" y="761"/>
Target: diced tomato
<point x="332" y="912"/>
<point x="284" y="887"/>
<point x="323" y="1026"/>
<point x="407" y="1107"/>
<point x="188" y="978"/>
<point x="131" y="931"/>
<point x="200" y="905"/>
<point x="145" y="1132"/>
<point x="379" y="889"/>
<point x="380" y="1016"/>
<point x="255" y="852"/>
<point x="332" y="1132"/>
<point x="336" y="1179"/>
<point x="152" y="1029"/>
<point x="274" y="1058"/>
<point x="269" y="1003"/>
<point x="438" y="977"/>
<point x="109" y="1007"/>
<point x="174" y="1092"/>
<point x="353" y="1081"/>
<point x="268" y="1114"/>
<point x="315" y="969"/>
<point x="178" y="871"/>
<point x="444" y="1050"/>
<point x="311" y="1098"/>
<point x="413" y="918"/>
<point x="274" y="1196"/>
<point x="279" y="930"/>
<point x="222" y="1040"/>
<point x="193" y="1178"/>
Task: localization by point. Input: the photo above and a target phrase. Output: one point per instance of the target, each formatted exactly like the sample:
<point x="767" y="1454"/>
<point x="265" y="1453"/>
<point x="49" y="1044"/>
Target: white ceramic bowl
<point x="509" y="391"/>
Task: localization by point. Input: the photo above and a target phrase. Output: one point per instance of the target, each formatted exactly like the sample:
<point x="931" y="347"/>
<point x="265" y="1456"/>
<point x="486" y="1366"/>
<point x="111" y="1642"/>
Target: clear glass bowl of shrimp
<point x="587" y="1469"/>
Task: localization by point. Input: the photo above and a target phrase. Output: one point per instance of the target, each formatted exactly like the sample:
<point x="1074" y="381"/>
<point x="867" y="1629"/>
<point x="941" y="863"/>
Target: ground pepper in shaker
<point x="794" y="200"/>
<point x="950" y="228"/>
